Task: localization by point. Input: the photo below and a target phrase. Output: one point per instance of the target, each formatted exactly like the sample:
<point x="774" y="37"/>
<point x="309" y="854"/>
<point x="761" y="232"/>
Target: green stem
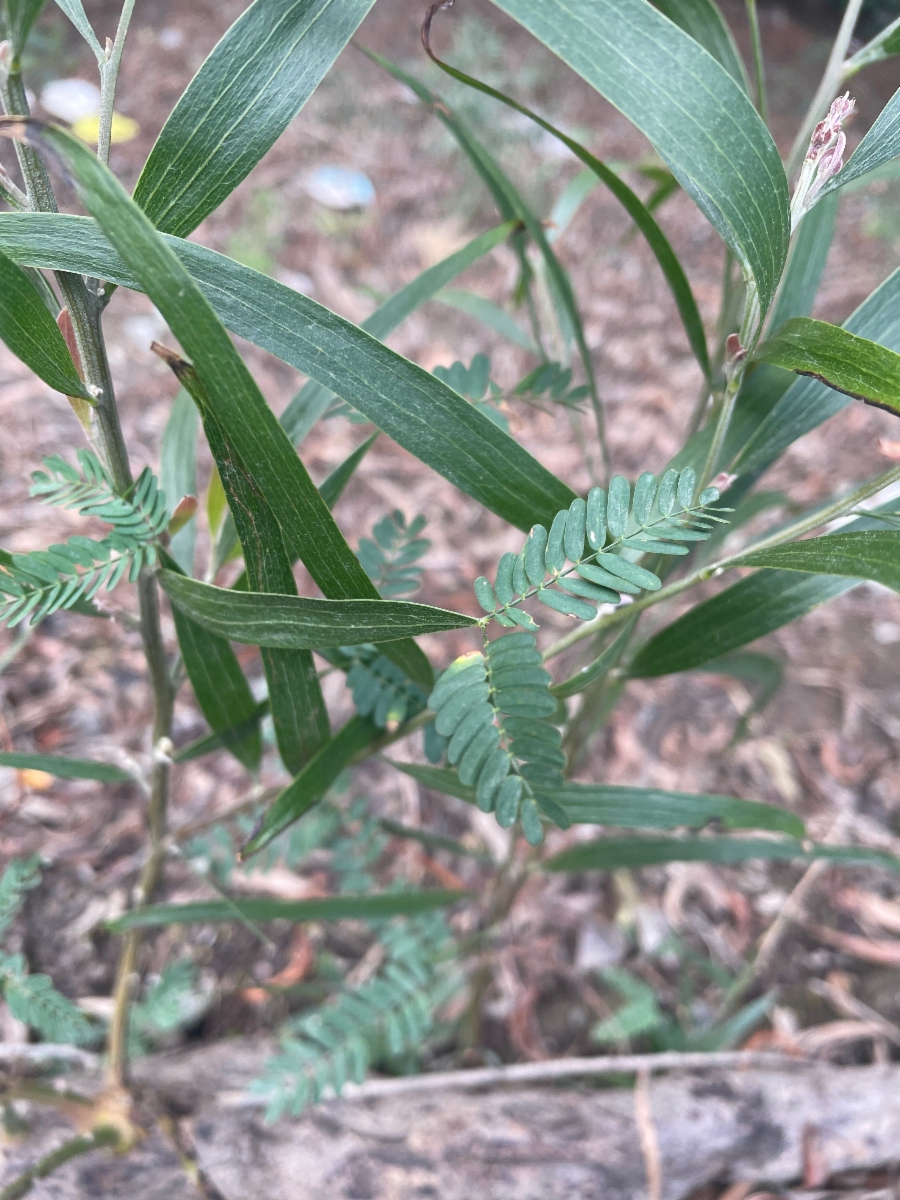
<point x="109" y="74"/>
<point x="104" y="1136"/>
<point x="832" y="79"/>
<point x="759" y="69"/>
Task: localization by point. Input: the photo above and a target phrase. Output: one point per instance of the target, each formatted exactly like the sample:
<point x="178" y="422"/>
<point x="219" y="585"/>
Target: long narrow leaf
<point x="844" y="361"/>
<point x="295" y="695"/>
<point x="313" y="398"/>
<point x="869" y="554"/>
<point x="633" y="205"/>
<point x="310" y="786"/>
<point x="219" y="684"/>
<point x="301" y="623"/>
<point x="29" y="330"/>
<point x="308" y="527"/>
<point x="413" y="407"/>
<point x="65" y="768"/>
<point x="511" y="204"/>
<point x="742" y="613"/>
<point x="703" y="20"/>
<point x="768" y="427"/>
<point x="697" y="117"/>
<point x="329" y="908"/>
<point x="653" y="808"/>
<point x="613" y="853"/>
<point x="244" y="96"/>
<point x="178" y="472"/>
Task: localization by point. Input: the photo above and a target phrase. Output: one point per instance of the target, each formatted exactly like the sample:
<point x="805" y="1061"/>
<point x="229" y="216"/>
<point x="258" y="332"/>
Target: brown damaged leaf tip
<point x="172" y="358"/>
<point x="426" y="25"/>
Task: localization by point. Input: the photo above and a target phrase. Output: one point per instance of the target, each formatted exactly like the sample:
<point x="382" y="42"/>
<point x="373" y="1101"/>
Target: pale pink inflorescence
<point x="825" y="156"/>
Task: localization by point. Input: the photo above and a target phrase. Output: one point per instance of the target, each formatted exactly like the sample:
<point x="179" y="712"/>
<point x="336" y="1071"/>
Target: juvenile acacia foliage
<point x="492" y="708"/>
<point x="657" y="518"/>
<point x="72" y="572"/>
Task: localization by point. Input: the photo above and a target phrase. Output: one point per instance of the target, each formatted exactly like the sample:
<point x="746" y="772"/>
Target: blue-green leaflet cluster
<point x="493" y="709"/>
<point x="659" y="517"/>
<point x="37" y="584"/>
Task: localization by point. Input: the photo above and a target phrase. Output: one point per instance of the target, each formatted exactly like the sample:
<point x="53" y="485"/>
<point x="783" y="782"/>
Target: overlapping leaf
<point x="697" y="116"/>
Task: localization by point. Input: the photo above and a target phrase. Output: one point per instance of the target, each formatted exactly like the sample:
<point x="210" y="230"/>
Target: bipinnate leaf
<point x="698" y="118"/>
<point x="65" y="768"/>
<point x="300" y="622"/>
<point x="311" y="784"/>
<point x="308" y="528"/>
<point x="329" y="908"/>
<point x="867" y="554"/>
<point x="248" y="90"/>
<point x="409" y="404"/>
<point x="840" y="359"/>
<point x="29" y="330"/>
<point x="609" y="854"/>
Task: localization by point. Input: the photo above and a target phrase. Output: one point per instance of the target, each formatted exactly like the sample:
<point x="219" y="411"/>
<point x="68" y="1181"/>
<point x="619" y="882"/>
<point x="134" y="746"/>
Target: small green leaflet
<point x="66" y="768"/>
<point x="250" y="88"/>
<point x="879" y="146"/>
<point x="611" y="854"/>
<point x="29" y="330"/>
<point x="331" y="908"/>
<point x="697" y="117"/>
<point x="842" y="360"/>
<point x="868" y="554"/>
<point x="302" y="623"/>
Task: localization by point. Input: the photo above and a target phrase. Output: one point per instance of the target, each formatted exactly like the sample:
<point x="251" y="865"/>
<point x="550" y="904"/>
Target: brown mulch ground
<point x="826" y="746"/>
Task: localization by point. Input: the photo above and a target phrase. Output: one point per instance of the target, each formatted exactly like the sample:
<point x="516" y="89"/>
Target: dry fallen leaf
<point x="869" y="908"/>
<point x="876" y="950"/>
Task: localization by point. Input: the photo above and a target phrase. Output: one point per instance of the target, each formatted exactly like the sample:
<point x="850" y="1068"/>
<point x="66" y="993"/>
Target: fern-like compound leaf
<point x="37" y="584"/>
<point x="389" y="557"/>
<point x="493" y="709"/>
<point x="390" y="1014"/>
<point x="657" y="517"/>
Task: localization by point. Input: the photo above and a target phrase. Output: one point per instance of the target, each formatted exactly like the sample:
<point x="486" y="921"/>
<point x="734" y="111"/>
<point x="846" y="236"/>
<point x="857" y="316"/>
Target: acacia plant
<point x="502" y="724"/>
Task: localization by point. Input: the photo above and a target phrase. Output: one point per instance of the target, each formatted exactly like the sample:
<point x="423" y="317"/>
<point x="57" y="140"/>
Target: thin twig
<point x="109" y="74"/>
<point x="543" y="1072"/>
<point x="42" y="1054"/>
<point x="831" y="80"/>
<point x="104" y="1136"/>
<point x="759" y="68"/>
<point x="643" y="1117"/>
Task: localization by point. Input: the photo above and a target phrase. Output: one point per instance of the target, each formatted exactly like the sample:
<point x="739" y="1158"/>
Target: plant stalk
<point x="759" y="68"/>
<point x="109" y="74"/>
<point x="85" y="309"/>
